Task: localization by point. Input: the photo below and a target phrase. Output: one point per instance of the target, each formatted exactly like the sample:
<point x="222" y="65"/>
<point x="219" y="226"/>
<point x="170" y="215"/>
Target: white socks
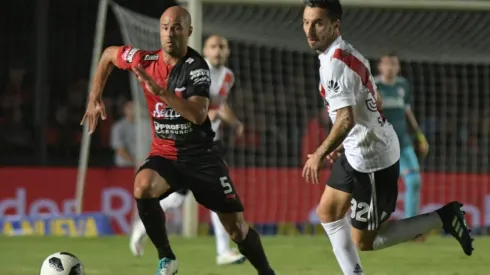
<point x="391" y="233"/>
<point x="138" y="231"/>
<point x="395" y="232"/>
<point x="173" y="201"/>
<point x="344" y="249"/>
<point x="222" y="237"/>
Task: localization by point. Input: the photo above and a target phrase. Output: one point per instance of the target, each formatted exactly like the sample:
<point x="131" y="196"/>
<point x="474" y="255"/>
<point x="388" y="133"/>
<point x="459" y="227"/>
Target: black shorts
<point x="208" y="179"/>
<point x="374" y="195"/>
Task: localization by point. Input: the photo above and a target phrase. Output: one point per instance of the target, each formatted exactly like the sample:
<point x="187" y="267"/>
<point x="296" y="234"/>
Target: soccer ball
<point x="62" y="263"/>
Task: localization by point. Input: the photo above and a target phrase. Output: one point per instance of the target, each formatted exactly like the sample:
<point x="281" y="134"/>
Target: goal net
<point x="444" y="56"/>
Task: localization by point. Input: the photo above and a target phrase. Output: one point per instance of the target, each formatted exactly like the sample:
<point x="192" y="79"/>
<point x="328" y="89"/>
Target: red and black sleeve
<point x="128" y="57"/>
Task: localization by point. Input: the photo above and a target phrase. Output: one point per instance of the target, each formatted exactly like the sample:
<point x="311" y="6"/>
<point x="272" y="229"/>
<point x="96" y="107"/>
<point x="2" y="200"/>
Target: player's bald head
<point x="175" y="29"/>
<point x="176" y="14"/>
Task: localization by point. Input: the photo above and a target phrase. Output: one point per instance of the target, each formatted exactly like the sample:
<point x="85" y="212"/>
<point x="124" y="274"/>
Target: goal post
<point x="85" y="146"/>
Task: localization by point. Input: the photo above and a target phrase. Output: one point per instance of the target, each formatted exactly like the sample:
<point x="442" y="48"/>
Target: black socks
<point x="252" y="249"/>
<point x="153" y="218"/>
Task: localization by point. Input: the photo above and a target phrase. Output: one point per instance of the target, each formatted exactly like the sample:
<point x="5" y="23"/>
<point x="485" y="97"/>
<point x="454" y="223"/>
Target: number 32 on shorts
<point x="359" y="210"/>
<point x="225" y="183"/>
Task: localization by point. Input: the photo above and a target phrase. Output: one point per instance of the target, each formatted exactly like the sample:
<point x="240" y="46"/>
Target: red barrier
<point x="269" y="195"/>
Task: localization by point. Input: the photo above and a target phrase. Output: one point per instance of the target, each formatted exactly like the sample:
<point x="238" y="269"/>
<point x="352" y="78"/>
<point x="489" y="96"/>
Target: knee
<point x="328" y="214"/>
<point x="236" y="227"/>
<point x="143" y="186"/>
<point x="364" y="245"/>
<point x="363" y="240"/>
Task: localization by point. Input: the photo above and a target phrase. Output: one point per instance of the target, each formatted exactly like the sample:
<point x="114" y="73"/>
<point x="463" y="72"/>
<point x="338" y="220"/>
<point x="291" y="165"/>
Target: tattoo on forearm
<point x="341" y="128"/>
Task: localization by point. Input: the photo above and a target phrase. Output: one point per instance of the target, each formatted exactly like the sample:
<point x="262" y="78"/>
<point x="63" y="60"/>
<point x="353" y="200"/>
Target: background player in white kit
<point x="365" y="151"/>
<point x="216" y="52"/>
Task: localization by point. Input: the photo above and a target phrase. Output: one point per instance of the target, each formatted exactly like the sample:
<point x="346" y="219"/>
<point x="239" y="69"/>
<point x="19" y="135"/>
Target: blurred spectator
<point x="16" y="107"/>
<point x="104" y="126"/>
<point x="316" y="132"/>
<point x="123" y="137"/>
<point x="65" y="131"/>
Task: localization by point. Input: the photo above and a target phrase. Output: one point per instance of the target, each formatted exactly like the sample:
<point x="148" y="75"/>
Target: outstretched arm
<point x="104" y="69"/>
<point x="95" y="105"/>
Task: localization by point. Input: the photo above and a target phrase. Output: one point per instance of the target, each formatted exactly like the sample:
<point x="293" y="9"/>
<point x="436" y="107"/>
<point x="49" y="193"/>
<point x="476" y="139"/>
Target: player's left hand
<point x="149" y="82"/>
<point x="332" y="157"/>
<point x="422" y="145"/>
<point x="239" y="129"/>
<point x="312" y="168"/>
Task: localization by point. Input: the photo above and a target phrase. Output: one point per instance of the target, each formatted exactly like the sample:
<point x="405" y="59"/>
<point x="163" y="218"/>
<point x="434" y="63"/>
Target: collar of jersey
<point x="335" y="42"/>
<point x="211" y="67"/>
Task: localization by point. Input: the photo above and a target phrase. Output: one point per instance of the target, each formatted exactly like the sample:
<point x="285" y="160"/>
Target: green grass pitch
<point x="309" y="255"/>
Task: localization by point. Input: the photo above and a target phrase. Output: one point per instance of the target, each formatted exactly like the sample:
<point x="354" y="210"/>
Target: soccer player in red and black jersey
<point x="176" y="83"/>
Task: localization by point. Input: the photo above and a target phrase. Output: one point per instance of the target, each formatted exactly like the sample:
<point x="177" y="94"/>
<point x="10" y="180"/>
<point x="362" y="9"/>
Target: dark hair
<point x="333" y="7"/>
<point x="390" y="54"/>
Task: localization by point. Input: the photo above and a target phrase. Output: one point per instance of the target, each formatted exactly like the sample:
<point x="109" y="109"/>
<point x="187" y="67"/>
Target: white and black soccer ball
<point x="62" y="263"/>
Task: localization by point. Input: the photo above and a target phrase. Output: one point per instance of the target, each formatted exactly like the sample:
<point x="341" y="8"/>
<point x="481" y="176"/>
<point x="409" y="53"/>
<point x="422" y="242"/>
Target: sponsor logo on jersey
<point x="165" y="113"/>
<point x="189" y="60"/>
<point x="200" y="76"/>
<point x="151" y="57"/>
<point x="401" y="91"/>
<point x="333" y="86"/>
<point x="333" y="90"/>
<point x="165" y="131"/>
<point x="371" y="105"/>
<point x="130" y="55"/>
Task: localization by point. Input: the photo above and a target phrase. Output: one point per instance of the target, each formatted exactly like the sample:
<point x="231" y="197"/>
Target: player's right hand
<point x="422" y="145"/>
<point x="311" y="170"/>
<point x="95" y="109"/>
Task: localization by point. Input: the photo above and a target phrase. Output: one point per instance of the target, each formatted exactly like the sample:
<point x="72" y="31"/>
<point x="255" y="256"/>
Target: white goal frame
<point x="190" y="216"/>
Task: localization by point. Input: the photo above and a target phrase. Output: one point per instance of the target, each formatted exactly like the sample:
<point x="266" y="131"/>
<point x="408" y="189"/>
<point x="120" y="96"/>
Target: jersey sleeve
<point x="407" y="98"/>
<point x="199" y="79"/>
<point x="341" y="85"/>
<point x="128" y="57"/>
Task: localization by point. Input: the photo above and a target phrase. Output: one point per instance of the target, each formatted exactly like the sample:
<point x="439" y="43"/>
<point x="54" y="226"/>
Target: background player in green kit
<point x="396" y="96"/>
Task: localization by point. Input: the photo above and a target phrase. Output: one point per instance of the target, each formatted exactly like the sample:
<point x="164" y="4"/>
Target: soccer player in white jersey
<point x="365" y="152"/>
<point x="216" y="52"/>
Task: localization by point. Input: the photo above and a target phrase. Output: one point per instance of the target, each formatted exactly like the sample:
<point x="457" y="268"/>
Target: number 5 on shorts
<point x="226" y="185"/>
